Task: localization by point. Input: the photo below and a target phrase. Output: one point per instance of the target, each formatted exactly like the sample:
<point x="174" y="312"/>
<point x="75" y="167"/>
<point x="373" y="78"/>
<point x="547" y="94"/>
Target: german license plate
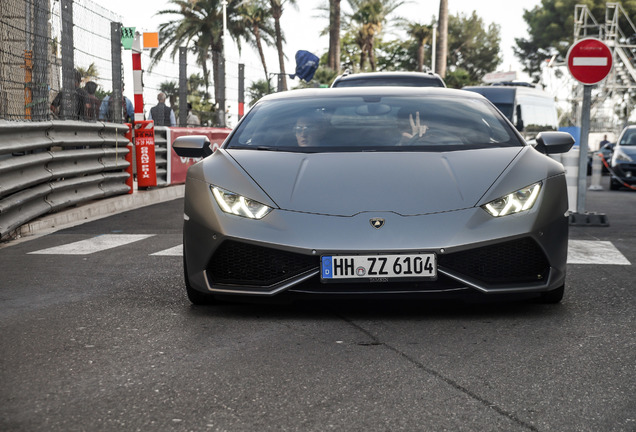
<point x="378" y="268"/>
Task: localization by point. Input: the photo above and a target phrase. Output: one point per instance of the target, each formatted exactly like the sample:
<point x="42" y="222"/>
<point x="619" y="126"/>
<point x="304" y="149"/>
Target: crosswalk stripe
<point x="92" y="245"/>
<point x="579" y="251"/>
<point x="175" y="251"/>
<point x="594" y="252"/>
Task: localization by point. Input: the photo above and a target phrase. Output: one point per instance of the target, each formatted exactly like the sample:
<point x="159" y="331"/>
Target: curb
<point x="99" y="209"/>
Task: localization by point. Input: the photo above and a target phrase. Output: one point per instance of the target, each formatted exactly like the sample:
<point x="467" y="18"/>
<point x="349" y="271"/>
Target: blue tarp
<point x="306" y="65"/>
<point x="575" y="131"/>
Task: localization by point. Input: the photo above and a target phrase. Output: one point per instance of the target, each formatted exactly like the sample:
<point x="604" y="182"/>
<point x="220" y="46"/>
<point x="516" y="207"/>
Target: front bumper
<point x="520" y="253"/>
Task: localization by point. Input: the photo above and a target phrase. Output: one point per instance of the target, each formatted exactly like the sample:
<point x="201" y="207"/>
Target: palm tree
<point x="333" y="60"/>
<point x="171" y="89"/>
<point x="442" y="41"/>
<point x="422" y="34"/>
<point x="256" y="17"/>
<point x="200" y="27"/>
<point x="368" y="17"/>
<point x="89" y="74"/>
<point x="276" y="8"/>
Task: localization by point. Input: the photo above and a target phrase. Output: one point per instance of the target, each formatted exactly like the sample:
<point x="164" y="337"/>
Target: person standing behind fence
<point x="76" y="109"/>
<point x="107" y="113"/>
<point x="193" y="119"/>
<point x="161" y="114"/>
<point x="92" y="102"/>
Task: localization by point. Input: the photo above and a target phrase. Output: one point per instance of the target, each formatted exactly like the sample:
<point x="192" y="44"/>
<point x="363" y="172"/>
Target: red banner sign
<point x="145" y="153"/>
<point x="180" y="165"/>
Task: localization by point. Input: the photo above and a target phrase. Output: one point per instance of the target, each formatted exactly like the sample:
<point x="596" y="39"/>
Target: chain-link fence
<point x="49" y="64"/>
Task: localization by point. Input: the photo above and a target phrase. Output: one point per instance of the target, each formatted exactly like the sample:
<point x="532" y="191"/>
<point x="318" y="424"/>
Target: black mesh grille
<point x="515" y="261"/>
<point x="244" y="264"/>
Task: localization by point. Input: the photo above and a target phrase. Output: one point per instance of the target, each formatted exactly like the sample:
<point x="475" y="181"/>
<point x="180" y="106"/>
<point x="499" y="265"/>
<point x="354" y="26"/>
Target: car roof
<point x="317" y="93"/>
<point x="367" y="76"/>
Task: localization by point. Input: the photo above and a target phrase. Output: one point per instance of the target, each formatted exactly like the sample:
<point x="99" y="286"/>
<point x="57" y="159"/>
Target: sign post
<point x="589" y="61"/>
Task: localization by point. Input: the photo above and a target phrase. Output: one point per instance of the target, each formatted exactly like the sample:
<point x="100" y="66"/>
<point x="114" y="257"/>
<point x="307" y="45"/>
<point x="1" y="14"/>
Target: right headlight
<point x="518" y="201"/>
<point x="239" y="205"/>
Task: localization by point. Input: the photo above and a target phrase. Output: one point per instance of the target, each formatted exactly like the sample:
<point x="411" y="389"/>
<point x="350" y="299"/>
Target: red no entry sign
<point x="589" y="61"/>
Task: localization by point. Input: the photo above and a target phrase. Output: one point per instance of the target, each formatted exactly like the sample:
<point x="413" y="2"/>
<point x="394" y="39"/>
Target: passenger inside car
<point x="409" y="125"/>
<point x="309" y="130"/>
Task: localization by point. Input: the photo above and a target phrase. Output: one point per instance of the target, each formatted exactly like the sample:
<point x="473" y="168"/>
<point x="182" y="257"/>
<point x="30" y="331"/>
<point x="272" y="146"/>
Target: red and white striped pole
<point x="144" y="130"/>
<point x="138" y="86"/>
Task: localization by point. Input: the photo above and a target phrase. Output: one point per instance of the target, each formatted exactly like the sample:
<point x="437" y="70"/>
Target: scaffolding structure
<point x="615" y="97"/>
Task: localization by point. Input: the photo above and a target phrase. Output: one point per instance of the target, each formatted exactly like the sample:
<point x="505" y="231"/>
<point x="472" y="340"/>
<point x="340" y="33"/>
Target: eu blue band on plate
<point x="327" y="270"/>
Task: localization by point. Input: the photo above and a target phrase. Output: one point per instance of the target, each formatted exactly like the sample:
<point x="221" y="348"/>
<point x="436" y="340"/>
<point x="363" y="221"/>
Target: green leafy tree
<point x="258" y="89"/>
<point x="472" y="47"/>
<point x="458" y="78"/>
<point x="397" y="54"/>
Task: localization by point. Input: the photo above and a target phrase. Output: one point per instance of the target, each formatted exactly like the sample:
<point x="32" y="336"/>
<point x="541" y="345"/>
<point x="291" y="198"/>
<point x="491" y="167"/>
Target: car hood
<point x="406" y="183"/>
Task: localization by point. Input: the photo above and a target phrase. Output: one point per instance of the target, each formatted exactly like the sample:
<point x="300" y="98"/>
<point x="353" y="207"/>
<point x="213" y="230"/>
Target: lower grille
<point x="236" y="263"/>
<point x="517" y="261"/>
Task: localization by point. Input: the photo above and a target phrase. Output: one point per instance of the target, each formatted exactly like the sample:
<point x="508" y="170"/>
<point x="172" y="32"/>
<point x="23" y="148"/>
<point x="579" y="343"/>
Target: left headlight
<point x="239" y="205"/>
<point x="516" y="202"/>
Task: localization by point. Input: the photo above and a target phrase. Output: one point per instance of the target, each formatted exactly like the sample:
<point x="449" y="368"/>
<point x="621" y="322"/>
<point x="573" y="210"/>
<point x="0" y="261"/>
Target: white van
<point x="531" y="110"/>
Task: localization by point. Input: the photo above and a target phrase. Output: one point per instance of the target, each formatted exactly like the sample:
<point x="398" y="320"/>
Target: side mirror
<point x="519" y="124"/>
<point x="192" y="146"/>
<point x="554" y="142"/>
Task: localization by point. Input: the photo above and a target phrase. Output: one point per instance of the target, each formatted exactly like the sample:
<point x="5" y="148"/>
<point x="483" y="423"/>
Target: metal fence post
<point x="117" y="94"/>
<point x="68" y="61"/>
<point x="40" y="61"/>
<point x="183" y="86"/>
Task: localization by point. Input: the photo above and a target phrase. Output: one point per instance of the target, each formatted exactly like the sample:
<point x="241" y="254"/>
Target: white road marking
<point x="595" y="252"/>
<point x="175" y="251"/>
<point x="579" y="251"/>
<point x="92" y="245"/>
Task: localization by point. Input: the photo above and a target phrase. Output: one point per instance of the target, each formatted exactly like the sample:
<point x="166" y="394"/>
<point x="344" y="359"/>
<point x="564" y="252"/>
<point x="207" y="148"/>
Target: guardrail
<point x="48" y="166"/>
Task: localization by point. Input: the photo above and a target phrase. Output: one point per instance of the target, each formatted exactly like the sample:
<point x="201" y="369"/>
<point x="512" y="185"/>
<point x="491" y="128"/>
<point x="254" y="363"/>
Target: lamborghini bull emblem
<point x="377" y="223"/>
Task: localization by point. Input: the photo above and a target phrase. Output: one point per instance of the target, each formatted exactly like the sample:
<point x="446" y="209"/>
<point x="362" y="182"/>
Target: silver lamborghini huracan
<point x="375" y="191"/>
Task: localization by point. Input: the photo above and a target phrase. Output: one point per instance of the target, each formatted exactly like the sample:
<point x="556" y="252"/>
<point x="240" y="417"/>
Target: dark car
<point x="384" y="79"/>
<point x="374" y="192"/>
<point x="624" y="160"/>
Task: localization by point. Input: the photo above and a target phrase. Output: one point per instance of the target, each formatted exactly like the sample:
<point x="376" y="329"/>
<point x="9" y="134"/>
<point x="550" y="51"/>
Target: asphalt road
<point x="108" y="341"/>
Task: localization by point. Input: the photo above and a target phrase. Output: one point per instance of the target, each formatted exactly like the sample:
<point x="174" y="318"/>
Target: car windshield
<point x="629" y="138"/>
<point x="373" y="123"/>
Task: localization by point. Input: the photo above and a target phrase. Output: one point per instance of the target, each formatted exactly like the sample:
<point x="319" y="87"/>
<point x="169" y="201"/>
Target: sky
<point x="302" y="27"/>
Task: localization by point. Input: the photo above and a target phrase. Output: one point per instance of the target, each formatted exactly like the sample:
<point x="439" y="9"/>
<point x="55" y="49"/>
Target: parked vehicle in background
<point x="531" y="110"/>
<point x="624" y="159"/>
<point x="384" y="79"/>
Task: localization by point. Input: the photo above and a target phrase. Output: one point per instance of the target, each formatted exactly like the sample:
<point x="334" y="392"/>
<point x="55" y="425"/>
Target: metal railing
<point x="48" y="166"/>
